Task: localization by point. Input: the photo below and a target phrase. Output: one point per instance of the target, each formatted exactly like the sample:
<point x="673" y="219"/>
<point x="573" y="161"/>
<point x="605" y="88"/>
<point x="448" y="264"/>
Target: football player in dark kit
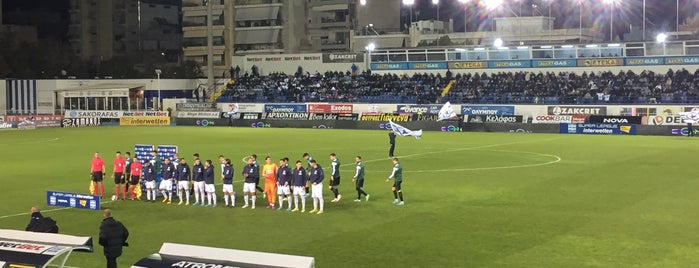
<point x="335" y="177"/>
<point x="251" y="173"/>
<point x="199" y="185"/>
<point x="209" y="185"/>
<point x="392" y="141"/>
<point x="299" y="178"/>
<point x="184" y="175"/>
<point x="397" y="174"/>
<point x="359" y="180"/>
<point x="227" y="178"/>
<point x="149" y="176"/>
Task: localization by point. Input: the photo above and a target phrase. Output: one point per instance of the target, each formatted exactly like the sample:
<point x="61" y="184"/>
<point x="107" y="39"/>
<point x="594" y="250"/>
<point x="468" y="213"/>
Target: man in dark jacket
<point x="39" y="223"/>
<point x="113" y="236"/>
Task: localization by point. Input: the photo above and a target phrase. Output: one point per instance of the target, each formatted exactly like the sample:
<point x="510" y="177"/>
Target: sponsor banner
<point x="285" y="108"/>
<point x="389" y="66"/>
<point x="644" y="61"/>
<point x="425" y="117"/>
<point x="205" y="123"/>
<point x="24" y="247"/>
<point x="73" y="200"/>
<point x="81" y="122"/>
<point x="342" y="57"/>
<point x="314" y="116"/>
<point x="468" y="65"/>
<point x="607" y="119"/>
<point x="690" y="109"/>
<point x="683" y="131"/>
<point x="348" y="117"/>
<point x="250" y="116"/>
<point x="93" y="114"/>
<point x="663" y="120"/>
<point x="169" y="261"/>
<point x="47" y="123"/>
<point x="426" y="65"/>
<point x="7" y="125"/>
<point x="557" y="119"/>
<point x="419" y="109"/>
<point x="615" y="129"/>
<point x="554" y="63"/>
<point x="211" y="115"/>
<point x="571" y="110"/>
<point x="37" y="117"/>
<point x="500" y="119"/>
<point x="384" y="117"/>
<point x="510" y="64"/>
<point x="330" y="108"/>
<point x="600" y="62"/>
<point x="451" y="128"/>
<point x="196" y="106"/>
<point x="145" y="113"/>
<point x="260" y="125"/>
<point x="277" y="58"/>
<point x="487" y="110"/>
<point x="144" y="121"/>
<point x="242" y="107"/>
<point x="286" y="116"/>
<point x="681" y="60"/>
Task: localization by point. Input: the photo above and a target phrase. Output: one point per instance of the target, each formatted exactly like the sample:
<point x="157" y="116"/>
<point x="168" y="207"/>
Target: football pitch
<point x="472" y="199"/>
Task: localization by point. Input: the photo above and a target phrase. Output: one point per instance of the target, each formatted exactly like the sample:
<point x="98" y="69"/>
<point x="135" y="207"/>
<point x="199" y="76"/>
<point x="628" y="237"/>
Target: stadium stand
<point x="679" y="86"/>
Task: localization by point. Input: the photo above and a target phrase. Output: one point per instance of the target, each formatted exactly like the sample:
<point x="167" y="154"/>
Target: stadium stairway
<point x="446" y="89"/>
<point x="220" y="89"/>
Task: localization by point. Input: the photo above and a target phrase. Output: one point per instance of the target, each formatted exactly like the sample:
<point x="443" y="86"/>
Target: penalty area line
<point x="43" y="211"/>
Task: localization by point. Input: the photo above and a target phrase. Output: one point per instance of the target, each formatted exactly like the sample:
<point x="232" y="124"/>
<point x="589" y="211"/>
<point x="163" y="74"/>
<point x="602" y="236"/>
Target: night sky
<point x="51" y="16"/>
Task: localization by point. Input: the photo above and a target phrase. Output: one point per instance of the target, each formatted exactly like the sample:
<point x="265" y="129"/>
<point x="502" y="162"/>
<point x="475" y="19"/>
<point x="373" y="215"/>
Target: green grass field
<point x="472" y="199"/>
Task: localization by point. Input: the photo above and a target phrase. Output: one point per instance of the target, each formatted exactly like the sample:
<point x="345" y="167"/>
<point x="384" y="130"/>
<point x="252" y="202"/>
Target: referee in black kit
<point x="392" y="141"/>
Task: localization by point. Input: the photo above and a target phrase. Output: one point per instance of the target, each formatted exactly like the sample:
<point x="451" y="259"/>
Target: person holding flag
<point x="118" y="175"/>
<point x="447" y="112"/>
<point x="135" y="179"/>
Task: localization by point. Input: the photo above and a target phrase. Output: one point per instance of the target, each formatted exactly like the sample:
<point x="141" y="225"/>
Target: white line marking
<point x="556" y="159"/>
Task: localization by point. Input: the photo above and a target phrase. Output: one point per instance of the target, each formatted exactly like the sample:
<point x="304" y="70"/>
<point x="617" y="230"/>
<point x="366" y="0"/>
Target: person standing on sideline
<point x="209" y="185"/>
<point x="118" y="175"/>
<point x="358" y="179"/>
<point x="251" y="173"/>
<point x="316" y="177"/>
<point x="392" y="142"/>
<point x="113" y="235"/>
<point x="97" y="174"/>
<point x="308" y="159"/>
<point x="335" y="178"/>
<point x="299" y="177"/>
<point x="227" y="178"/>
<point x="397" y="174"/>
<point x="269" y="170"/>
<point x="257" y="183"/>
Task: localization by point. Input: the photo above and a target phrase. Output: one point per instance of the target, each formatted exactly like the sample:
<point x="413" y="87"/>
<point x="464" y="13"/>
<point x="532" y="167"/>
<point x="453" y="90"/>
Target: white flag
<point x="402" y="131"/>
<point x="690" y="117"/>
<point x="233" y="108"/>
<point x="446" y="112"/>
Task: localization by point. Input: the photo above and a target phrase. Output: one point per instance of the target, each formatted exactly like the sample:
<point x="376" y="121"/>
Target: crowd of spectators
<point x="537" y="87"/>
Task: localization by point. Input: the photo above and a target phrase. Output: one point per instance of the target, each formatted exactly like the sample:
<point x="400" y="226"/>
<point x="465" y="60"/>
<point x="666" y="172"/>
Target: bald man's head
<point x="107" y="213"/>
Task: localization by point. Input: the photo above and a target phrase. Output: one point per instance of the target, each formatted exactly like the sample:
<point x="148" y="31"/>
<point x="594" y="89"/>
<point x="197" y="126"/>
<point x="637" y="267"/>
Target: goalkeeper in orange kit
<point x="269" y="171"/>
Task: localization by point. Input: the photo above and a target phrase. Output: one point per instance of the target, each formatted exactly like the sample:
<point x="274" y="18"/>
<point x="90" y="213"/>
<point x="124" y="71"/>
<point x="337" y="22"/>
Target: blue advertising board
<point x="285" y="108"/>
<point x="644" y="61"/>
<point x="487" y="110"/>
<point x="73" y="200"/>
<point x="510" y="64"/>
<point x="604" y="129"/>
<point x="554" y="63"/>
<point x="419" y="109"/>
<point x="426" y="65"/>
<point x="389" y="66"/>
<point x="681" y="60"/>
